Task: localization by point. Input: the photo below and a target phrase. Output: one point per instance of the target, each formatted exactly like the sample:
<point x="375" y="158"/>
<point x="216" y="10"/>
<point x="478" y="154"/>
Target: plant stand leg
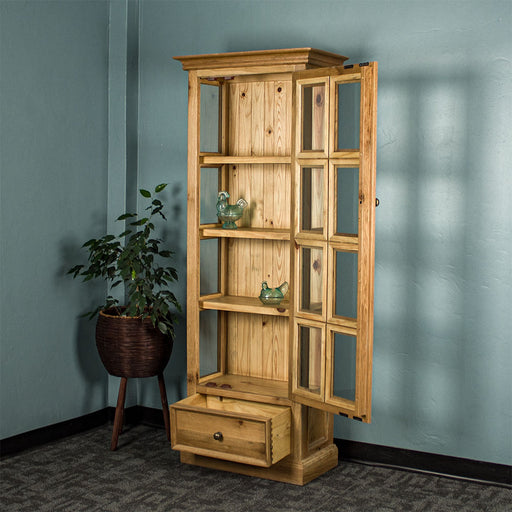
<point x="118" y="420"/>
<point x="165" y="405"/>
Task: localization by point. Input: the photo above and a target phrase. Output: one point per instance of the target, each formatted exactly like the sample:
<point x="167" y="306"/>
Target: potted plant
<point x="134" y="339"/>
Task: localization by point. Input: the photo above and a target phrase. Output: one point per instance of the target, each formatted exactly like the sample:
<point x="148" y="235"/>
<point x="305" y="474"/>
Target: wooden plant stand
<point x="118" y="419"/>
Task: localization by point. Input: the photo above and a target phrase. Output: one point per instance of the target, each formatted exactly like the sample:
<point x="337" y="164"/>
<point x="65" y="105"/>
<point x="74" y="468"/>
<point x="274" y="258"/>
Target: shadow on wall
<point x="440" y="315"/>
<point x="90" y="295"/>
<point x="91" y="366"/>
<point x="175" y="372"/>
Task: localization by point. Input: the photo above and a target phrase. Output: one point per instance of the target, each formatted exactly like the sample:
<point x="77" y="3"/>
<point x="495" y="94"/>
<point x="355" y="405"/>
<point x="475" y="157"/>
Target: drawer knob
<point x="218" y="436"/>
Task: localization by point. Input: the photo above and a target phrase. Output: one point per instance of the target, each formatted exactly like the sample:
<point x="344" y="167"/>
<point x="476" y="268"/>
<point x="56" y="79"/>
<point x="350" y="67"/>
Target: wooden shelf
<point x="216" y="231"/>
<point x="249" y="159"/>
<point x="239" y="386"/>
<point x="243" y="305"/>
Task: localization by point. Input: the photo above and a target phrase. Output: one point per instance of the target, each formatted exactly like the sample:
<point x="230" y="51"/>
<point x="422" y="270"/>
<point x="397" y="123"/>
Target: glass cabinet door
<point x="312" y="186"/>
<point x="342" y="382"/>
<point x="311" y="270"/>
<point x="309" y="379"/>
<point x="335" y="255"/>
<point x="347" y="108"/>
<point x="313" y="115"/>
<point x="343" y="294"/>
<point x="343" y="200"/>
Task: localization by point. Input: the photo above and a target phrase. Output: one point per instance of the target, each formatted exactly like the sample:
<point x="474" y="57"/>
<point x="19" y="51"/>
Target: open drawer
<point x="231" y="429"/>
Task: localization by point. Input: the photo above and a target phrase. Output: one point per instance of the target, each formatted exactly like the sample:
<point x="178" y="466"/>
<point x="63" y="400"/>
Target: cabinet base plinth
<point x="298" y="473"/>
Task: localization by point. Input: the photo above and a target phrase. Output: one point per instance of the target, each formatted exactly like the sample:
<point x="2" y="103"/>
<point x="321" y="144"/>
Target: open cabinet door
<point x="334" y="232"/>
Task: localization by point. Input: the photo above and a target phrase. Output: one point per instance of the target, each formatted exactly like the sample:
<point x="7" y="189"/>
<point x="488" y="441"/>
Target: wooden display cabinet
<point x="293" y="133"/>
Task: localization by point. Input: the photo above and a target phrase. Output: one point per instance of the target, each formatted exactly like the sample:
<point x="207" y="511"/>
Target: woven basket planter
<point x="131" y="347"/>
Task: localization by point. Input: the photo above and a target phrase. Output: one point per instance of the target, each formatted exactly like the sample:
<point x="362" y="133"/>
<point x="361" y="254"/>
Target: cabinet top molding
<point x="291" y="58"/>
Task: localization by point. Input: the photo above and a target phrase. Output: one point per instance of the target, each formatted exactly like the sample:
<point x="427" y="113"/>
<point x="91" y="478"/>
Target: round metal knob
<point x="218" y="436"/>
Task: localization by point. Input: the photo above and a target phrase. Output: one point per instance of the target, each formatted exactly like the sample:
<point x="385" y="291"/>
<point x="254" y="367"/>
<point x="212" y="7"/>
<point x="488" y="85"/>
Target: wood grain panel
<point x="237" y="430"/>
<point x="232" y="248"/>
<point x="260" y="124"/>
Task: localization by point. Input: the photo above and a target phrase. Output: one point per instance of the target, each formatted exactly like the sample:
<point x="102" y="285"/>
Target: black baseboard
<point x="397" y="458"/>
<point x="53" y="432"/>
<point x="132" y="416"/>
<point x="411" y="460"/>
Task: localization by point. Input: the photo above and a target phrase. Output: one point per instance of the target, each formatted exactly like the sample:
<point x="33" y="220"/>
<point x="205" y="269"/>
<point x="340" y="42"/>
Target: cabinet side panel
<point x="193" y="248"/>
<point x="318" y="428"/>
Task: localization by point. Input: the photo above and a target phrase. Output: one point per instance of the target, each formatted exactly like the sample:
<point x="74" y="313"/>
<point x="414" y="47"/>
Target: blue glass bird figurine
<point x="273" y="296"/>
<point x="228" y="214"/>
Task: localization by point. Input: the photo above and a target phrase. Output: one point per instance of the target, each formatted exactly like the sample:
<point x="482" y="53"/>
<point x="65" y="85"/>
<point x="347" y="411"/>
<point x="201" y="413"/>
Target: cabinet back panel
<point x="259" y="118"/>
<point x="267" y="189"/>
<point x="257" y="345"/>
<point x="259" y="124"/>
<point x="249" y="262"/>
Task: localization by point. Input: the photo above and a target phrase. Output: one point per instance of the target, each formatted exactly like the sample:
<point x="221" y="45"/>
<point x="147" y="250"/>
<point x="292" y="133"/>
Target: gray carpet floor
<point x="80" y="473"/>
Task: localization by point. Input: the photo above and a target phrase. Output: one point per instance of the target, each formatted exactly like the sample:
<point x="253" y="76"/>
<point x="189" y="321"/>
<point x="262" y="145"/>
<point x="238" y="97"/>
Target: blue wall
<point x="53" y="159"/>
<point x="443" y="264"/>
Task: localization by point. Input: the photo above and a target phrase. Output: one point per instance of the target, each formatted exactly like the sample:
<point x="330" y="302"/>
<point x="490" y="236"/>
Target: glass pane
<point x="312" y="185"/>
<point x="349" y="99"/>
<point x="346" y="284"/>
<point x="208" y="343"/>
<point x="209" y="266"/>
<point x="209" y="191"/>
<point x="210" y="121"/>
<point x="311" y="285"/>
<point x="344" y="366"/>
<point x="347" y="215"/>
<point x="310" y="353"/>
<point x="313" y="117"/>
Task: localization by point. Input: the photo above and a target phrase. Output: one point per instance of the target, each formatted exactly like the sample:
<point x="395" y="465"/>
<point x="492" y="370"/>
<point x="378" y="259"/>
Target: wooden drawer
<point x="230" y="429"/>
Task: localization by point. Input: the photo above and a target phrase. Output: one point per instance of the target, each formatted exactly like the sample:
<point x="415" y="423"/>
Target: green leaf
<point x="114" y="258"/>
<point x="162" y="328"/>
<point x="132" y="310"/>
<point x="111" y="302"/>
<point x="140" y="222"/>
<point x="75" y="270"/>
<point x="126" y="216"/>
